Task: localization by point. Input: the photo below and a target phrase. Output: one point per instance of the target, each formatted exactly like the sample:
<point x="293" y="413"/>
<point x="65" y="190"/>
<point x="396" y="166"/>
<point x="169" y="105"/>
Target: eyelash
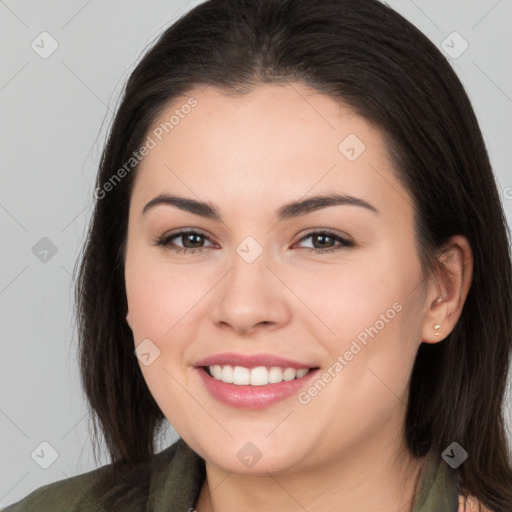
<point x="165" y="241"/>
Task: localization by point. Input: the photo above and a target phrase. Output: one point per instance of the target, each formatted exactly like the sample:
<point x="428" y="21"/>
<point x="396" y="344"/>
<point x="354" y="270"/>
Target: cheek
<point x="160" y="296"/>
<point x="361" y="300"/>
<point x="373" y="313"/>
<point x="158" y="302"/>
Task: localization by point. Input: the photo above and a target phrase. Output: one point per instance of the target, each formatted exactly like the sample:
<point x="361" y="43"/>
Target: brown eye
<point x="191" y="241"/>
<point x="325" y="241"/>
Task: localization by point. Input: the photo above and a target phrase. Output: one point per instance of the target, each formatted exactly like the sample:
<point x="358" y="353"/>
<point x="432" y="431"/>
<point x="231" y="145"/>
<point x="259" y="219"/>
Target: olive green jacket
<point x="171" y="482"/>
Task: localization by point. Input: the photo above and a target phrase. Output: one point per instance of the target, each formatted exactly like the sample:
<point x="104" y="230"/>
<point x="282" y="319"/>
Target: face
<point x="260" y="294"/>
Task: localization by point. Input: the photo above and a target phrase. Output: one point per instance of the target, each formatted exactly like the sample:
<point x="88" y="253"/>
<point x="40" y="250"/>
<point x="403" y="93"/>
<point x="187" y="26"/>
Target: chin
<point x="257" y="457"/>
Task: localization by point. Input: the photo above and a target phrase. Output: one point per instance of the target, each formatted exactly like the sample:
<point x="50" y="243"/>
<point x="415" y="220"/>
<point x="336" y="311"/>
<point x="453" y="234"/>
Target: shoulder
<point x="94" y="489"/>
<point x="472" y="505"/>
<point x="63" y="495"/>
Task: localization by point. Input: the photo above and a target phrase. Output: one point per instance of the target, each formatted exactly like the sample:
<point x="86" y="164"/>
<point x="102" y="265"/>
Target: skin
<point x="250" y="155"/>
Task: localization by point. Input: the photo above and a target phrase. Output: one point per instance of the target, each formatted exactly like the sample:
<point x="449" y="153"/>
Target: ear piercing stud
<point x="437" y="327"/>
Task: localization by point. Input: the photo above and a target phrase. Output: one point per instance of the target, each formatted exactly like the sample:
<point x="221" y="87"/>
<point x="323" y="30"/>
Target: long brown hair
<point x="371" y="58"/>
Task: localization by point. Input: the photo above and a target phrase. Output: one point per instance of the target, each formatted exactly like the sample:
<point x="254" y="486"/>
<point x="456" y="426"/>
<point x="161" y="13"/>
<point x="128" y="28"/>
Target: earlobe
<point x="128" y="319"/>
<point x="448" y="295"/>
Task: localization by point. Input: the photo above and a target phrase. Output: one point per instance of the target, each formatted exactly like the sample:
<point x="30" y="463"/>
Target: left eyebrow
<point x="298" y="208"/>
<point x="288" y="211"/>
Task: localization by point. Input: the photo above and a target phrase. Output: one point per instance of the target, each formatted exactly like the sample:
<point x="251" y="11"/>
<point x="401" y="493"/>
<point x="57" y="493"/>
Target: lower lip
<point x="253" y="397"/>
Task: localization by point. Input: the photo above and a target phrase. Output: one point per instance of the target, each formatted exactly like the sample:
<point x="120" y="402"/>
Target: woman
<point x="298" y="230"/>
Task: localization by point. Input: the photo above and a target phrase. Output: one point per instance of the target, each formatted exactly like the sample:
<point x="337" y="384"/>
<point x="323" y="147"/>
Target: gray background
<point x="55" y="112"/>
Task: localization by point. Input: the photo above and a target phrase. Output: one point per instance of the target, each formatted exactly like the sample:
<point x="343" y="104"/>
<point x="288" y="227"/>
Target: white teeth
<point x="258" y="376"/>
<point x="216" y="371"/>
<point x="227" y="374"/>
<point x="240" y="375"/>
<point x="275" y="375"/>
<point x="289" y="374"/>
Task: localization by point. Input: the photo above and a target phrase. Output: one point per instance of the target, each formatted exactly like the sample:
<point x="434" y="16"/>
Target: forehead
<point x="276" y="139"/>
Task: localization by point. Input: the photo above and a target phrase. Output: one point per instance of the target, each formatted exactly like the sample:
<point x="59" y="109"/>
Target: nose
<point x="250" y="297"/>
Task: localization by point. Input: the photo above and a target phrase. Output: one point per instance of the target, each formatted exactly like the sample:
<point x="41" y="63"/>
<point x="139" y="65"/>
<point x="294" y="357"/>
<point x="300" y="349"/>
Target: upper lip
<point x="251" y="361"/>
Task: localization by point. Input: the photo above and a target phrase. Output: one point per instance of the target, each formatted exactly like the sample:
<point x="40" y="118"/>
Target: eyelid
<point x="183" y="231"/>
<point x="326" y="231"/>
<point x="344" y="241"/>
<point x="199" y="231"/>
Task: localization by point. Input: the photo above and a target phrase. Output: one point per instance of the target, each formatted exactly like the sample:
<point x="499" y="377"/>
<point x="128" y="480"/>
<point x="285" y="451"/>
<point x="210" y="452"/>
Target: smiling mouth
<point x="257" y="376"/>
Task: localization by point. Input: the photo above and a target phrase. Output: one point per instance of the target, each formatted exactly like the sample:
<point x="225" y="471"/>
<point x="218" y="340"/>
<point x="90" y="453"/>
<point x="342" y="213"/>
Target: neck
<point x="358" y="479"/>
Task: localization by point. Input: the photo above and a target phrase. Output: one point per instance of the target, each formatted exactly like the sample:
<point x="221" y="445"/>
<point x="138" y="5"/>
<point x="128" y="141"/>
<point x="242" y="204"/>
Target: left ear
<point x="449" y="290"/>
